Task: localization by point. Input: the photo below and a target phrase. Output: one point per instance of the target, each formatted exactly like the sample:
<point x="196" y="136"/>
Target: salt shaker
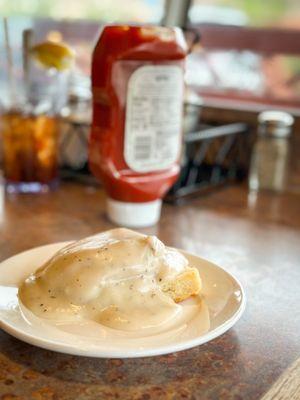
<point x="269" y="161"/>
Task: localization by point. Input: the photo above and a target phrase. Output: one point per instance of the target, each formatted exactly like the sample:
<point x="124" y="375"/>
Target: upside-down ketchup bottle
<point x="135" y="141"/>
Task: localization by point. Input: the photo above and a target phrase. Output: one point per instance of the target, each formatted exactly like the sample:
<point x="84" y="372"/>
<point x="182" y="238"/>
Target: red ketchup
<point x="135" y="141"/>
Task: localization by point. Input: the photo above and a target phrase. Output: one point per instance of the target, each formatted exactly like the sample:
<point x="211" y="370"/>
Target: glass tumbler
<point x="29" y="131"/>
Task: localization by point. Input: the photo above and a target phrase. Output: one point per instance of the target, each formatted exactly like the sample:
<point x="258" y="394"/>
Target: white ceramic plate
<point x="222" y="304"/>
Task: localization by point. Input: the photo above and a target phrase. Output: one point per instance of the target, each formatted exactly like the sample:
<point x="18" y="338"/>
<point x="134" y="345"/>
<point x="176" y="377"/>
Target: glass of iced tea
<point x="29" y="127"/>
<point x="29" y="151"/>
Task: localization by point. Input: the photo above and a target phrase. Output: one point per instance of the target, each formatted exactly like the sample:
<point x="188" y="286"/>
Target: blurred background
<point x="250" y="49"/>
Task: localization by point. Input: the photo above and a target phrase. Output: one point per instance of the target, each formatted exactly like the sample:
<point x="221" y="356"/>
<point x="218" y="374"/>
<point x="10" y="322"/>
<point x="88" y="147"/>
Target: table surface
<point x="255" y="238"/>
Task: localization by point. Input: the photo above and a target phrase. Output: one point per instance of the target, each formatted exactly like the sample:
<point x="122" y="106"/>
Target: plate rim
<point x="136" y="353"/>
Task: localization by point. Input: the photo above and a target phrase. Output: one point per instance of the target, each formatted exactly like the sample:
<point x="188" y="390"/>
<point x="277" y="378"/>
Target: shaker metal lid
<point x="275" y="123"/>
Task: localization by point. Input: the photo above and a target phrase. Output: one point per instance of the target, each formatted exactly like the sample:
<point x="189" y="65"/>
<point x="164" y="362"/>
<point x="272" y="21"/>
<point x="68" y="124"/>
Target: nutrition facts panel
<point x="153" y="117"/>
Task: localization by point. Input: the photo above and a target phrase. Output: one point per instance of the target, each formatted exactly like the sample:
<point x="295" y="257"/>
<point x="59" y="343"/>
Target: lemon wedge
<point x="53" y="55"/>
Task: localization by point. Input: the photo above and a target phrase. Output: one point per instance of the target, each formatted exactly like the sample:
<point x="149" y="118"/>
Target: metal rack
<point x="213" y="156"/>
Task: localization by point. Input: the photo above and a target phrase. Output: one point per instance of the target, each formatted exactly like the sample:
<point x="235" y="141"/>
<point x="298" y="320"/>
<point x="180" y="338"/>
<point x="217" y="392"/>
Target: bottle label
<point x="153" y="117"/>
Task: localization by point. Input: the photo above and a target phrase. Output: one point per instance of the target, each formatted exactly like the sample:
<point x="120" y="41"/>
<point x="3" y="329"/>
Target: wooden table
<point x="257" y="239"/>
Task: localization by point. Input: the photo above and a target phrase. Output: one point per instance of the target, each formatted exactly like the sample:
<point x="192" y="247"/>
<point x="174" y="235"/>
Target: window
<point x="258" y="13"/>
<point x="250" y="51"/>
<point x="104" y="10"/>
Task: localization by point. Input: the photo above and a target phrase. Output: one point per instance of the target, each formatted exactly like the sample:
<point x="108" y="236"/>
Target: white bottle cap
<point x="134" y="215"/>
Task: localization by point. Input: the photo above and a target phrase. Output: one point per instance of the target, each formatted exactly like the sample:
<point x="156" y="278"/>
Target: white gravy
<point x="112" y="278"/>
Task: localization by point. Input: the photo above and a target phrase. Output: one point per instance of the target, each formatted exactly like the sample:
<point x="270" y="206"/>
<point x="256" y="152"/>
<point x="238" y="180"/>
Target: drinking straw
<point x="10" y="66"/>
<point x="26" y="44"/>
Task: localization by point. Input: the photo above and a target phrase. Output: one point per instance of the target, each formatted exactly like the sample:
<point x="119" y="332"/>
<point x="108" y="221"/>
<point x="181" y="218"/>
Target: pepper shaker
<point x="269" y="161"/>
